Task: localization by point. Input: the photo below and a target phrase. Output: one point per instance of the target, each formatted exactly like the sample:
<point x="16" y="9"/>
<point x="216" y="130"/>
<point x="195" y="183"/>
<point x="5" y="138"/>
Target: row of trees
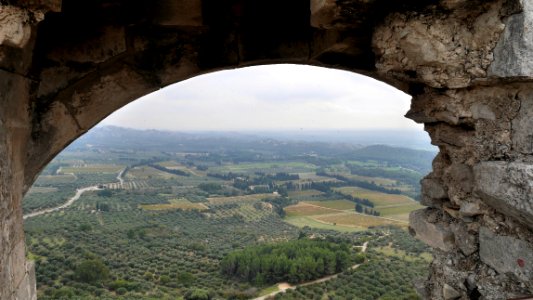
<point x="362" y="184"/>
<point x="293" y="261"/>
<point x="170" y="171"/>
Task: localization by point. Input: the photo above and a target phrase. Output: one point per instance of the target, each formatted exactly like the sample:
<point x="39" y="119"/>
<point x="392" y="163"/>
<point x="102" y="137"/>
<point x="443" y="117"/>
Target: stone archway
<point x="65" y="65"/>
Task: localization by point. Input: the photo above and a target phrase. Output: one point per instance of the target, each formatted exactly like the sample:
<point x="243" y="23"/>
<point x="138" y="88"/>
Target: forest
<point x="295" y="261"/>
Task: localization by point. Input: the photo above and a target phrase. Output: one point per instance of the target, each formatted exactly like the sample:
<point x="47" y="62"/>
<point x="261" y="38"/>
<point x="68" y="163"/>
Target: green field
<point x="41" y="190"/>
<point x="238" y="199"/>
<point x="175" y="204"/>
<point x="55" y="179"/>
<point x="305" y="209"/>
<point x="400" y="212"/>
<point x="378" y="198"/>
<point x="402" y="254"/>
<point x="335" y="204"/>
<point x="337" y="214"/>
<point x="312" y="223"/>
<point x="357" y="220"/>
<point x="96" y="168"/>
<point x="268" y="167"/>
<point x="146" y="172"/>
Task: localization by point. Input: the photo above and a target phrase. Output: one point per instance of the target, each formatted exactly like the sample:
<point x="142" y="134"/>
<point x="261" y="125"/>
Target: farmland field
<point x="378" y="198"/>
<point x="304" y="193"/>
<point x="335" y="204"/>
<point x="303" y="221"/>
<point x="304" y="209"/>
<point x="40" y="189"/>
<point x="175" y="204"/>
<point x="357" y="220"/>
<point x="161" y="234"/>
<point x="238" y="199"/>
<point x="97" y="168"/>
<point x="289" y="167"/>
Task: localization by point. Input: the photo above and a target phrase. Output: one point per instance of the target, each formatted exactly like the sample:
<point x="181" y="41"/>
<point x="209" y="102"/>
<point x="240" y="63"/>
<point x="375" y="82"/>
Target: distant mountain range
<point x="342" y="145"/>
<point x="110" y="135"/>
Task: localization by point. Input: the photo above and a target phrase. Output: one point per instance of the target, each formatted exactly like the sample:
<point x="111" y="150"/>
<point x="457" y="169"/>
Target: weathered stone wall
<point x="17" y="278"/>
<point x="463" y="62"/>
<point x="65" y="65"/>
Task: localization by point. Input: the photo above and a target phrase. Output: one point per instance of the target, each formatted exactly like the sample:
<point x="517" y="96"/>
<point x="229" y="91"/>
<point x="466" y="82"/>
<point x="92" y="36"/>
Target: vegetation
<point x="294" y="261"/>
<point x="211" y="219"/>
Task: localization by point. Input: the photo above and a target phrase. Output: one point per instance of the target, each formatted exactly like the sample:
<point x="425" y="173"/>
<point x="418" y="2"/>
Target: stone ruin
<point x="65" y="65"/>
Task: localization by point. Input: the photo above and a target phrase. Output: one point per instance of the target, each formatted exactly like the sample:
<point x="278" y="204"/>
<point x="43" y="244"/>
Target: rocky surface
<point x="513" y="55"/>
<point x="507" y="255"/>
<point x="507" y="187"/>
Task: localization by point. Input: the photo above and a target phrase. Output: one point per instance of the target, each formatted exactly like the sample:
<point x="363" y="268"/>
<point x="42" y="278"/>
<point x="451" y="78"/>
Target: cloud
<point x="270" y="97"/>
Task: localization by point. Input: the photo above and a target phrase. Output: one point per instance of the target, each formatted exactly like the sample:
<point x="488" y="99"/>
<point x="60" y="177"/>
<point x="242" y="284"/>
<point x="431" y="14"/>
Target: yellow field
<point x="225" y="200"/>
<point x="333" y="215"/>
<point x="335" y="204"/>
<point x="304" y="209"/>
<point x="310" y="222"/>
<point x="96" y="168"/>
<point x="41" y="189"/>
<point x="376" y="180"/>
<point x="175" y="204"/>
<point x="356" y="220"/>
<point x="378" y="198"/>
<point x="146" y="172"/>
<point x="398" y="212"/>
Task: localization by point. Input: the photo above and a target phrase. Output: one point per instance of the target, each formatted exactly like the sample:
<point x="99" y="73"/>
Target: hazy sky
<point x="270" y="98"/>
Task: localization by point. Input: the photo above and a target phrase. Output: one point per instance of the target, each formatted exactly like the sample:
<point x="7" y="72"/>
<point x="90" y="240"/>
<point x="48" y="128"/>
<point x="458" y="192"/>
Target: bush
<point x="121" y="291"/>
<point x="197" y="294"/>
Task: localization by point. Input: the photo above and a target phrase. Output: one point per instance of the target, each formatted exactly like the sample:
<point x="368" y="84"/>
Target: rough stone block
<point x="507" y="255"/>
<point x="522" y="124"/>
<point x="513" y="55"/>
<point x="466" y="242"/>
<point x="15" y="29"/>
<point x="432" y="193"/>
<point x="449" y="293"/>
<point x="323" y="13"/>
<point x="462" y="176"/>
<point x="18" y="264"/>
<point x="49" y="5"/>
<point x="507" y="187"/>
<point x="482" y="111"/>
<point x="470" y="209"/>
<point x="433" y="189"/>
<point x="179" y="13"/>
<point x="435" y="235"/>
<point x="111" y="42"/>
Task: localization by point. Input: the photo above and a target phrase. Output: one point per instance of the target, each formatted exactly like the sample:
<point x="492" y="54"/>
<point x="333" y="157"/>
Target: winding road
<point x="119" y="177"/>
<point x="77" y="196"/>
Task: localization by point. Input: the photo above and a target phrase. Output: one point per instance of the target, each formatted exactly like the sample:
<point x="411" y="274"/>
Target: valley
<point x="157" y="219"/>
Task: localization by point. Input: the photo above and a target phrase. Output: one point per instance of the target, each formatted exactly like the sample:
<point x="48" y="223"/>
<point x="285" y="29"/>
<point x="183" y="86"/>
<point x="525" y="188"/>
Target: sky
<point x="275" y="97"/>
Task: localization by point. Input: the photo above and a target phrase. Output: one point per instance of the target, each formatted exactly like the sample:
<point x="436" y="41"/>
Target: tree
<point x="358" y="208"/>
<point x="92" y="271"/>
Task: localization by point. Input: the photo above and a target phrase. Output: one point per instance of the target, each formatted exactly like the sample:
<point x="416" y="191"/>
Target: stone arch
<point x="65" y="65"/>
